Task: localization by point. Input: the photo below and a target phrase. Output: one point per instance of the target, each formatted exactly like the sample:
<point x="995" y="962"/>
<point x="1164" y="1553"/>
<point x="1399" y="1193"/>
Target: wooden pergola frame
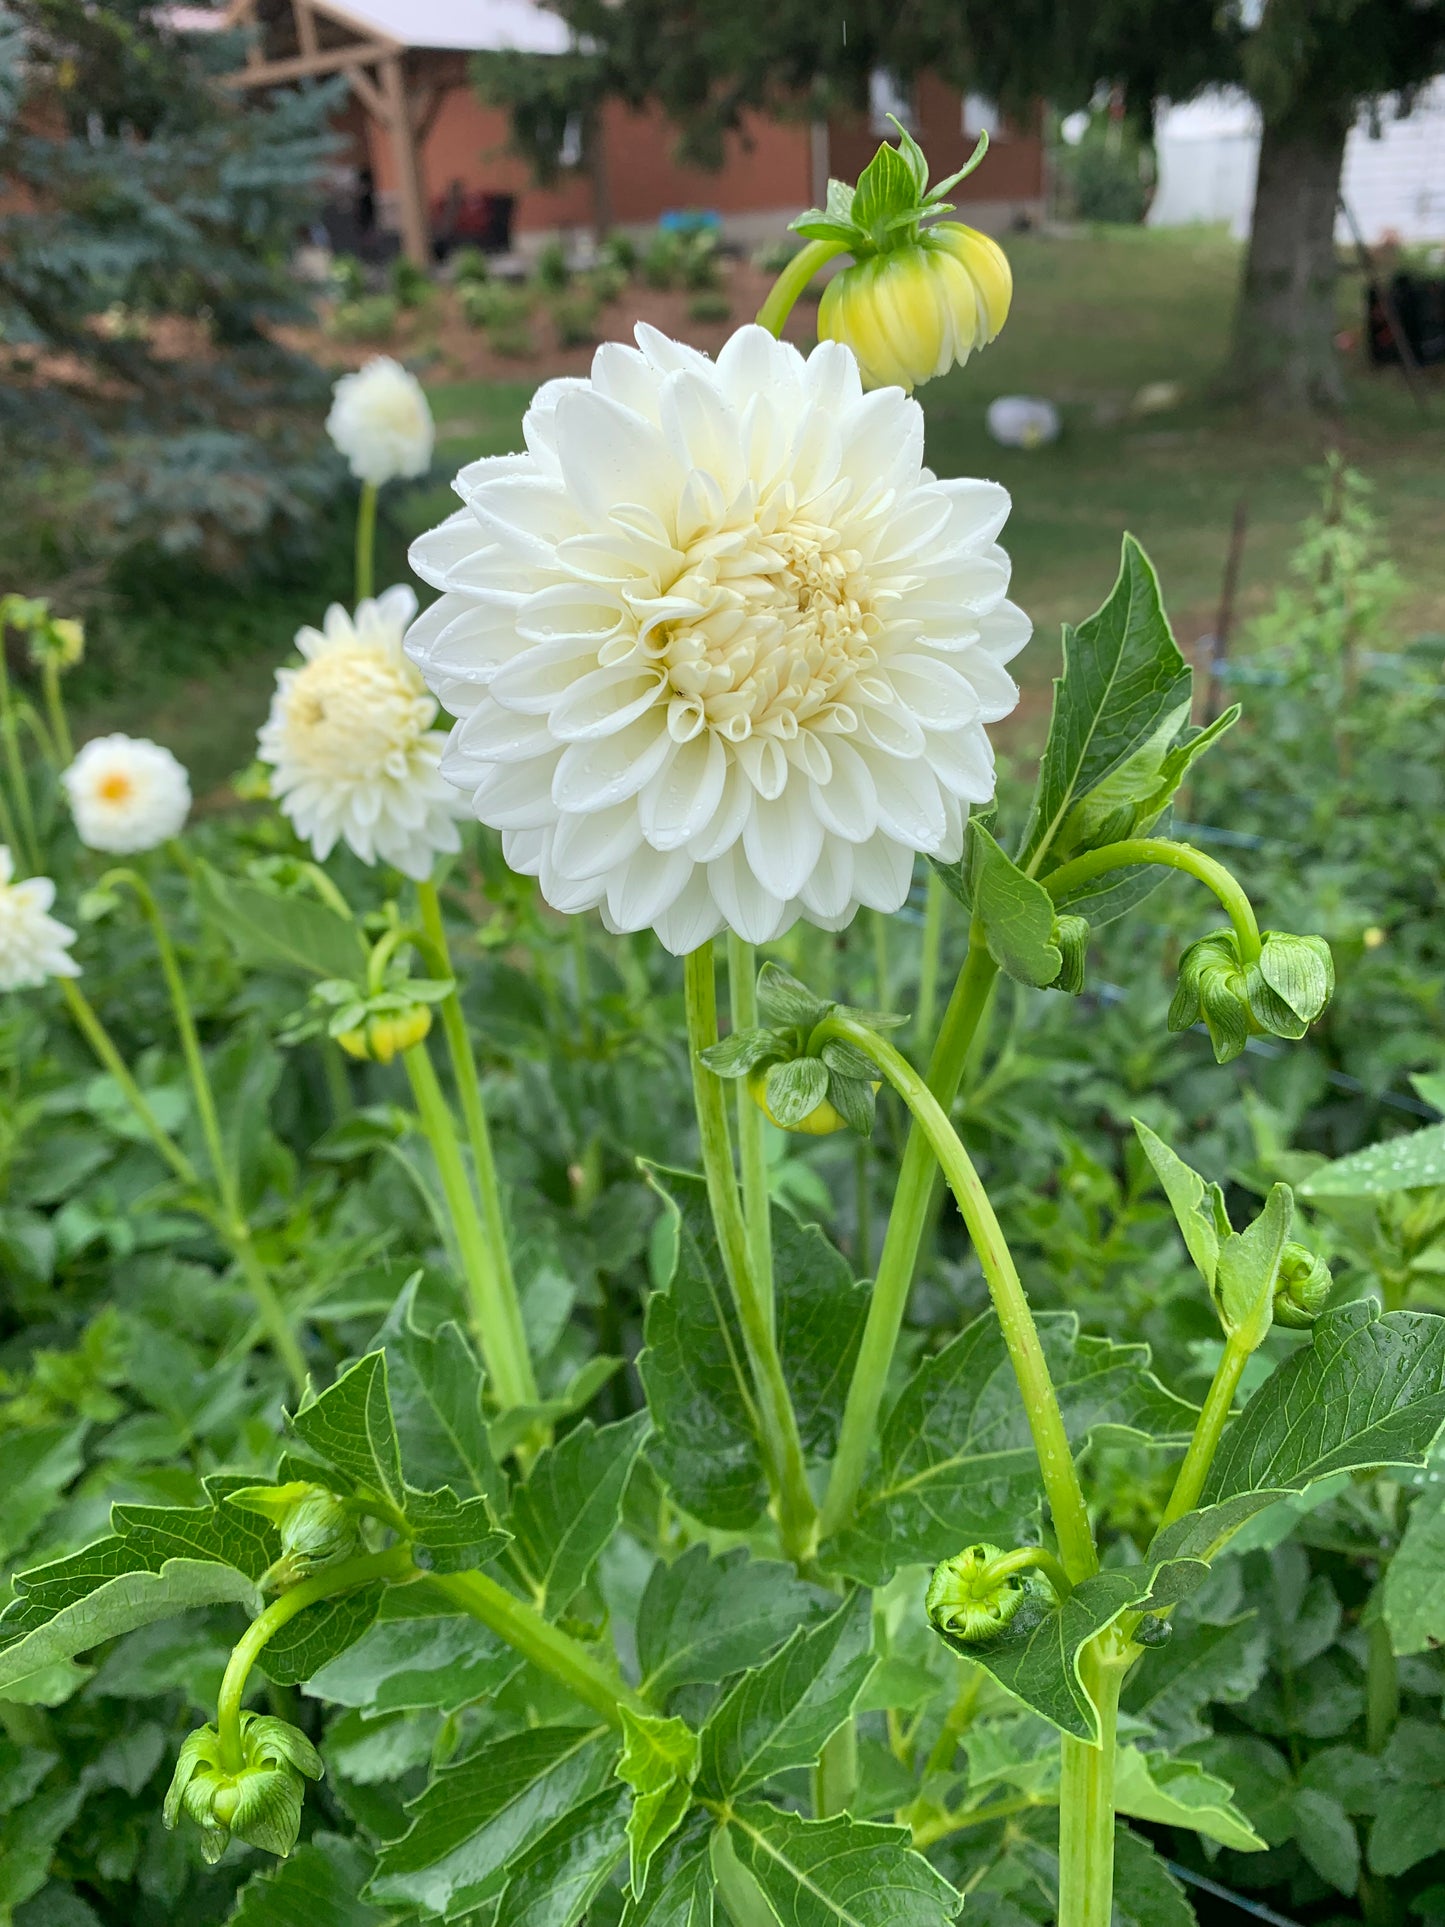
<point x="382" y="92"/>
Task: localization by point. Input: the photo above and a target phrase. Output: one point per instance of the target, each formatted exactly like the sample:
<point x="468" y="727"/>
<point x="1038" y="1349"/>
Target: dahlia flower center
<point x="351" y="713"/>
<point x="115" y="788"/>
<point x="776" y="627"/>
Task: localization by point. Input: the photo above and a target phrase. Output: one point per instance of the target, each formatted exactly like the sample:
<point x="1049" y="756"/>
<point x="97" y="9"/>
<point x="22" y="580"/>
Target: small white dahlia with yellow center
<point x="381" y="422"/>
<point x="723" y="651"/>
<point x="353" y="753"/>
<point x="127" y="794"/>
<point x="34" y="946"/>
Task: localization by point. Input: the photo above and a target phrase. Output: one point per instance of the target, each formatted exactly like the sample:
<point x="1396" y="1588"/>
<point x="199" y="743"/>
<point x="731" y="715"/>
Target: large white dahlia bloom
<point x="351" y="746"/>
<point x="33" y="945"/>
<point x="722" y="649"/>
<point x="127" y="794"/>
<point x="381" y="422"/>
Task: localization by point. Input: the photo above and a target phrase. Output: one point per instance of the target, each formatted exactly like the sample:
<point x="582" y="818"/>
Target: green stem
<point x="484" y="1165"/>
<point x="19" y="781"/>
<point x="596" y="1683"/>
<point x="752" y="1141"/>
<point x="1382" y="1687"/>
<point x="797" y="1517"/>
<point x="330" y="1584"/>
<point x="55" y="709"/>
<point x="491" y="1319"/>
<point x="1170" y="856"/>
<point x="1208" y="1429"/>
<point x="235" y="1228"/>
<point x="101" y="1042"/>
<point x="365" y="540"/>
<point x="791" y="282"/>
<point x="927" y="1833"/>
<point x="835" y="1777"/>
<point x="882" y="991"/>
<point x="1046" y="1424"/>
<point x="930" y="958"/>
<point x="907" y="1224"/>
<point x="1086" y="1799"/>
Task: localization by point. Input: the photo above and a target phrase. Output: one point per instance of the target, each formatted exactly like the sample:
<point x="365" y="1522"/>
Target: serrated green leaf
<point x="109" y="1588"/>
<point x="351" y="1427"/>
<point x="1248" y="1268"/>
<point x="436" y="1660"/>
<point x="28" y="1839"/>
<point x="319" y="1634"/>
<point x="557" y="1878"/>
<point x="296" y="934"/>
<point x="567" y="1510"/>
<point x="223" y="1533"/>
<point x="836" y="1873"/>
<point x="1123" y="678"/>
<point x="319" y="1886"/>
<point x="795" y="1089"/>
<point x="1146" y="1894"/>
<point x="1412" y="1163"/>
<point x="39" y="1464"/>
<point x="702" y="1618"/>
<point x="887" y="188"/>
<point x="956" y="1459"/>
<point x="1172" y="1685"/>
<point x="780" y="1714"/>
<point x="519" y="1422"/>
<point x="452" y="1534"/>
<point x="1413" y="1600"/>
<point x="1180" y="1793"/>
<point x="484" y="1811"/>
<point x="1015" y="912"/>
<point x="821" y="1310"/>
<point x="659" y="1762"/>
<point x="680" y="1889"/>
<point x="435" y="1383"/>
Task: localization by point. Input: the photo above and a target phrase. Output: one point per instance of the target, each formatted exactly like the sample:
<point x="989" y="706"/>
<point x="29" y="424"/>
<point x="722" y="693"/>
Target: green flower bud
<point x="386" y="1033"/>
<point x="259" y="1802"/>
<point x="314" y="1526"/>
<point x="60" y="639"/>
<point x="1302" y="1286"/>
<point x="969" y="1601"/>
<point x="1278" y="996"/>
<point x="1071" y="936"/>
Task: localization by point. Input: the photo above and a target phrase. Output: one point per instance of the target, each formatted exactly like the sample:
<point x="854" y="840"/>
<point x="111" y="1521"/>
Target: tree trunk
<point x="1284" y="353"/>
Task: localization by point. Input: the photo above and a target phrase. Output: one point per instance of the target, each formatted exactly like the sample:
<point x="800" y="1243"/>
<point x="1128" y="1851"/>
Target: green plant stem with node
<point x="60" y="736"/>
<point x="366" y="541"/>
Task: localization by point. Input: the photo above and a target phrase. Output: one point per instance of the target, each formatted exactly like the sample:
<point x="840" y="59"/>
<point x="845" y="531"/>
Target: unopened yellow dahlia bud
<point x="382" y="1037"/>
<point x="822" y="1120"/>
<point x="910" y="313"/>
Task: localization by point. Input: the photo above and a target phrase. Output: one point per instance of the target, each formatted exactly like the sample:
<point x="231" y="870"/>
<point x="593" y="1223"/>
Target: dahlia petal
<point x="606" y="700"/>
<point x="647" y="884"/>
<point x="702" y="432"/>
<point x="611" y="456"/>
<point x="910" y="809"/>
<point x="608" y="769"/>
<point x="935" y="694"/>
<point x="510" y="797"/>
<point x="732" y="812"/>
<point x="882" y="873"/>
<point x="962" y="760"/>
<point x="434" y="554"/>
<point x="1004" y="631"/>
<point x="753" y="911"/>
<point x="827" y="891"/>
<point x="683" y="796"/>
<point x="624" y="374"/>
<point x="998" y="693"/>
<point x="980" y="509"/>
<point x="692" y="918"/>
<point x="847" y="805"/>
<point x="890" y="728"/>
<point x="782" y="840"/>
<point x="881" y="440"/>
<point x="591" y="844"/>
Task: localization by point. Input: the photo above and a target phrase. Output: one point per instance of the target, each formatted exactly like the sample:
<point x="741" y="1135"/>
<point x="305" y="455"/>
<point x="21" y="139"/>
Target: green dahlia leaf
<point x="701" y="1618"/>
<point x="351" y="1427"/>
<point x="555" y="1881"/>
<point x="1180" y="1793"/>
<point x="435" y="1380"/>
<point x="680" y="1888"/>
<point x="659" y="1762"/>
<point x="319" y="1886"/>
<point x="318" y="1634"/>
<point x="1015" y="912"/>
<point x="567" y="1510"/>
<point x="1414" y="1595"/>
<point x="296" y="934"/>
<point x="1409" y="1163"/>
<point x="452" y="1534"/>
<point x="829" y="1873"/>
<point x="403" y="1664"/>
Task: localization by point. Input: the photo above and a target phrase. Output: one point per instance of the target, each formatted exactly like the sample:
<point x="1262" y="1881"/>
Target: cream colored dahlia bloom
<point x="127" y="795"/>
<point x="351" y="746"/>
<point x="723" y="650"/>
<point x="381" y="422"/>
<point x="33" y="945"/>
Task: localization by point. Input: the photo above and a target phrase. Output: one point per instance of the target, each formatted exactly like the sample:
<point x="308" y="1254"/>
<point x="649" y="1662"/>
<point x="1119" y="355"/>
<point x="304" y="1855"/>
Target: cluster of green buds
<point x="923" y="293"/>
<point x="315" y="1528"/>
<point x="54" y="640"/>
<point x="374" y="1024"/>
<point x="257" y="1797"/>
<point x="1279" y="994"/>
<point x="975" y="1596"/>
<point x="813" y="1095"/>
<point x="1302" y="1287"/>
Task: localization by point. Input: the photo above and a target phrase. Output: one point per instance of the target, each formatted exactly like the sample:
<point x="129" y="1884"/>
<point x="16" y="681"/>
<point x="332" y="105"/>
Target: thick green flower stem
<point x="835" y="1777"/>
<point x="907" y="1223"/>
<point x="752" y="1143"/>
<point x="365" y="540"/>
<point x="1046" y="1424"/>
<point x="55" y="710"/>
<point x="593" y="1680"/>
<point x="1086" y="1795"/>
<point x="232" y="1224"/>
<point x="508" y="1367"/>
<point x="479" y="1138"/>
<point x="797" y="1517"/>
<point x="784" y="293"/>
<point x="99" y="1038"/>
<point x="1171" y="856"/>
<point x="331" y="1583"/>
<point x="1208" y="1430"/>
<point x="929" y="960"/>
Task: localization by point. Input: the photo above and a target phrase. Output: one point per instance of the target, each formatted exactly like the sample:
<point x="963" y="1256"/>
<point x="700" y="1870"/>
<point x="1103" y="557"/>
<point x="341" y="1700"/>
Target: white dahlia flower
<point x="127" y="794"/>
<point x="33" y="946"/>
<point x="351" y="745"/>
<point x="381" y="423"/>
<point x="723" y="650"/>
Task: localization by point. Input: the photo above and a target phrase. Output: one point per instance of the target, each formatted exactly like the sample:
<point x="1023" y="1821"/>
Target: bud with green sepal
<point x="256" y="1797"/>
<point x="1070" y="937"/>
<point x="1278" y="994"/>
<point x="316" y="1528"/>
<point x="975" y="1596"/>
<point x="1302" y="1287"/>
<point x="373" y="1025"/>
<point x="813" y="1095"/>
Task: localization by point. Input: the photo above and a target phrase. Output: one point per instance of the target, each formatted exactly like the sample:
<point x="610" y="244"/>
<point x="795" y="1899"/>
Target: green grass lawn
<point x="1096" y="317"/>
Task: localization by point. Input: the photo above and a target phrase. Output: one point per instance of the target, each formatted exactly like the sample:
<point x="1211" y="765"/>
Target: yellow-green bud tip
<point x="968" y="1600"/>
<point x="913" y="312"/>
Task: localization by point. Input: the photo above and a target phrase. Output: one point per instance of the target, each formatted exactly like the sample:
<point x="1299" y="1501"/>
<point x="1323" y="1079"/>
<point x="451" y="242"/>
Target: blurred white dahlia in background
<point x="381" y="422"/>
<point x="33" y="945"/>
<point x="722" y="649"/>
<point x="127" y="795"/>
<point x="351" y="746"/>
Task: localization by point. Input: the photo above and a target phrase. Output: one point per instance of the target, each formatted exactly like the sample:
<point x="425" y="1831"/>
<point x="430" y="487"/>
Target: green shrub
<point x="607" y="282"/>
<point x="709" y="304"/>
<point x="619" y="251"/>
<point x="410" y="284"/>
<point x="1108" y="176"/>
<point x="550" y="270"/>
<point x="574" y="316"/>
<point x="470" y="267"/>
<point x="773" y="256"/>
<point x="485" y="303"/>
<point x="348" y="277"/>
<point x="681" y="258"/>
<point x="371" y="318"/>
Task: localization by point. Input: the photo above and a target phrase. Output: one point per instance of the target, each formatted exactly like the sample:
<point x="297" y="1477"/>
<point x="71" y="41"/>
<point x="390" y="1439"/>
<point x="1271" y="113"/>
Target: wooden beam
<point x="331" y="60"/>
<point x="305" y="20"/>
<point x="424" y="111"/>
<point x="369" y="94"/>
<point x="411" y="196"/>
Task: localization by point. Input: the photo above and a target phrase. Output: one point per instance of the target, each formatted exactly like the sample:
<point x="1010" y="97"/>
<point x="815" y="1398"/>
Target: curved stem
<point x="484" y="1166"/>
<point x="594" y="1682"/>
<point x="365" y="540"/>
<point x="1170" y="856"/>
<point x="752" y="1143"/>
<point x="330" y="1584"/>
<point x="1046" y="1424"/>
<point x="1208" y="1429"/>
<point x="55" y="709"/>
<point x="907" y="1223"/>
<point x="781" y="1444"/>
<point x="1037" y="1559"/>
<point x="783" y="294"/>
<point x="98" y="1037"/>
